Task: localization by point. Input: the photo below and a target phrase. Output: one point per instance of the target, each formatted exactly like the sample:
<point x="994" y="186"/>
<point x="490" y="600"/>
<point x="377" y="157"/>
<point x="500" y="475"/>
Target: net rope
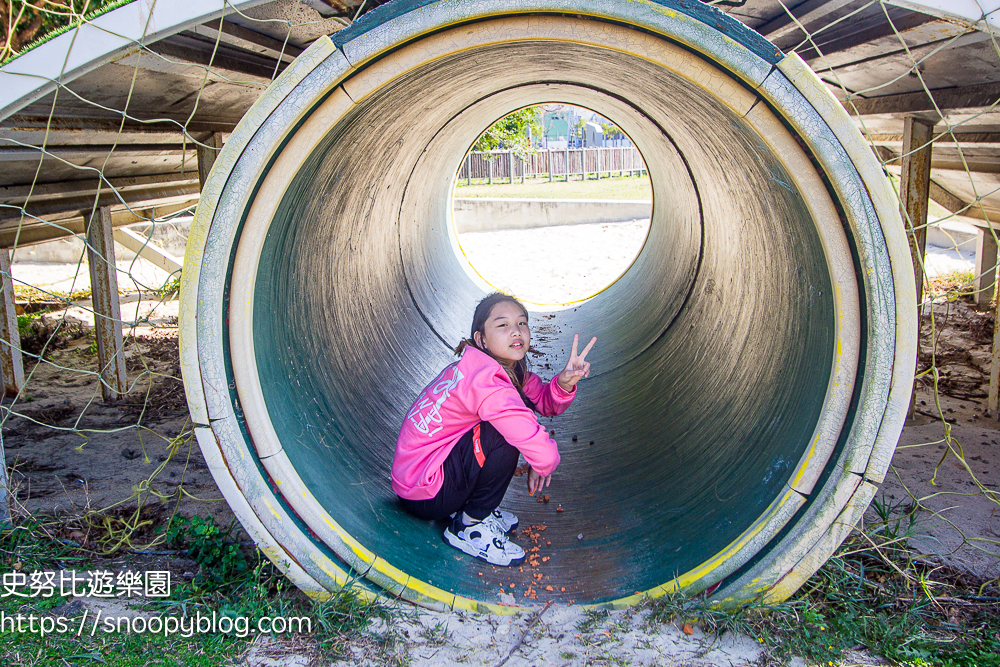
<point x="938" y="290"/>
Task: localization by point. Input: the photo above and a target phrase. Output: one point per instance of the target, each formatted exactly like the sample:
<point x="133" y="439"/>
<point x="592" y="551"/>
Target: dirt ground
<point x="68" y="452"/>
<point x="957" y="483"/>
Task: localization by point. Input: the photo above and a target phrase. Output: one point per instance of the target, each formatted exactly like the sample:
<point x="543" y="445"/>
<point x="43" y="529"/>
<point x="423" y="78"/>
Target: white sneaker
<point x="485" y="540"/>
<point x="508" y="520"/>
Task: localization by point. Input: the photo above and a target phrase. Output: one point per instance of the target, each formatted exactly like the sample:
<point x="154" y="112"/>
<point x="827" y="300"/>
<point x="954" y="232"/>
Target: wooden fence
<point x="551" y="163"/>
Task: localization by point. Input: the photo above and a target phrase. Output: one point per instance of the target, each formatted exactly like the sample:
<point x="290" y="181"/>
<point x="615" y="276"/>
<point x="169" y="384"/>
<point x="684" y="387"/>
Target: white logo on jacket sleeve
<point x="426" y="412"/>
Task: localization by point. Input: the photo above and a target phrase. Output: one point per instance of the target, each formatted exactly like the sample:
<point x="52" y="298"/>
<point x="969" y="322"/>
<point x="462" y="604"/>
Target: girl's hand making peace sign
<point x="577" y="367"/>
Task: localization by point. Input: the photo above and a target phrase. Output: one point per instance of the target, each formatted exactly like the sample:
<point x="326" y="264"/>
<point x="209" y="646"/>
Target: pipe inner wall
<point x="716" y="349"/>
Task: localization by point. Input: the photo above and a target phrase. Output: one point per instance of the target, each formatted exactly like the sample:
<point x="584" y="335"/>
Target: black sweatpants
<point x="475" y="478"/>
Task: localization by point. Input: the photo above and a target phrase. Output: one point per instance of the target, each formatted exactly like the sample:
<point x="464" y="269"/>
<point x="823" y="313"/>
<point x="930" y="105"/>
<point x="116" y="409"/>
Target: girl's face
<point x="506" y="333"/>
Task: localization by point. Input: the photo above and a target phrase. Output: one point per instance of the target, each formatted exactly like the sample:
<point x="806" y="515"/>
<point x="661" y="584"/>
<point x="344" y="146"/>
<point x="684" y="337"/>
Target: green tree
<point x="513" y="132"/>
<point x="25" y="21"/>
<point x="610" y="130"/>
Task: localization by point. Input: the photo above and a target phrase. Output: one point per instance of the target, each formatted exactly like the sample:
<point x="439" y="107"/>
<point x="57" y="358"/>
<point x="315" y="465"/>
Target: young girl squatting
<point x="459" y="444"/>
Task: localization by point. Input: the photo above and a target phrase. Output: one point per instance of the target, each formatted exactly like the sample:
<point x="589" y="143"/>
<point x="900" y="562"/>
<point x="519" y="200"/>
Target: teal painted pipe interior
<point x="715" y="349"/>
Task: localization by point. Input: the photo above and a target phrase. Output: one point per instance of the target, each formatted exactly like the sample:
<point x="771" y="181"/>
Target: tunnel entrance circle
<point x="552" y="216"/>
<point x="305" y="215"/>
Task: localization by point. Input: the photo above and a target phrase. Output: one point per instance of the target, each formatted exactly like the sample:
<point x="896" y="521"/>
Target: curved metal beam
<point x="38" y="72"/>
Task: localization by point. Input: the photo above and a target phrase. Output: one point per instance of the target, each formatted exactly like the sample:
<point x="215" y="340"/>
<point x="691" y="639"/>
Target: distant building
<point x="593" y="135"/>
<point x="561" y="129"/>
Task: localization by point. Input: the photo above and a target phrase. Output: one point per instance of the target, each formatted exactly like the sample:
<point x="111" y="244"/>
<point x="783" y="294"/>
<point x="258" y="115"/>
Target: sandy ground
<point x="955" y="478"/>
<point x="555" y="265"/>
<point x="69" y="452"/>
<point x="559" y="636"/>
<point x="941" y="261"/>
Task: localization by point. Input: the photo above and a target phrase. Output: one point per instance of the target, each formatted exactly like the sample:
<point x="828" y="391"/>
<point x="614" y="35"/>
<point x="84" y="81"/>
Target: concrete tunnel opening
<point x="741" y="394"/>
<point x="712" y="366"/>
<point x="539" y="218"/>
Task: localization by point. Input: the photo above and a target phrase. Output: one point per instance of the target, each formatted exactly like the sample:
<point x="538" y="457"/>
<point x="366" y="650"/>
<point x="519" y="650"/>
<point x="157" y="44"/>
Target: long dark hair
<point x="517" y="371"/>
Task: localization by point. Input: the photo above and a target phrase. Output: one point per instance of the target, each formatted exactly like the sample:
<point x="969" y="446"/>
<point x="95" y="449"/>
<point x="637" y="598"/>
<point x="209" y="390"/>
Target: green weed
<point x="874" y="595"/>
<point x="228" y="583"/>
<point x="170" y="289"/>
<point x="437" y="635"/>
<point x="592" y="619"/>
<point x="24" y="323"/>
<point x="204" y="542"/>
<point x="40" y="336"/>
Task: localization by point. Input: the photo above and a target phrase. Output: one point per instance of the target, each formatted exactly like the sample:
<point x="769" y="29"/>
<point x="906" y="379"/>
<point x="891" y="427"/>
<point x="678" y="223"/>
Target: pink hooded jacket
<point x="472" y="390"/>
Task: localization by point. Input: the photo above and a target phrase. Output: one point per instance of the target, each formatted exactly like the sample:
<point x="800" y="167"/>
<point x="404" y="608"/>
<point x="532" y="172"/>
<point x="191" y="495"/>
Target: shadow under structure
<point x="753" y="367"/>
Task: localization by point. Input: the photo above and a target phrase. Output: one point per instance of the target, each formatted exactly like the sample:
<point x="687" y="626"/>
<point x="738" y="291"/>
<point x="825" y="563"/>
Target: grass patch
<point x="953" y="285"/>
<point x="219" y="556"/>
<point x="25" y="321"/>
<point x="630" y="188"/>
<point x="31" y="295"/>
<point x="873" y="595"/>
<point x="64" y="23"/>
<point x="230" y="582"/>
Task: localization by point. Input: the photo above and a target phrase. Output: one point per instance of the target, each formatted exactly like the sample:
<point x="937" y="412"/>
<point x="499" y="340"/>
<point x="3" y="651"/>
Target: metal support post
<point x="107" y="310"/>
<point x="986" y="271"/>
<point x="548" y="161"/>
<point x="11" y="364"/>
<point x="11" y="373"/>
<point x="986" y="239"/>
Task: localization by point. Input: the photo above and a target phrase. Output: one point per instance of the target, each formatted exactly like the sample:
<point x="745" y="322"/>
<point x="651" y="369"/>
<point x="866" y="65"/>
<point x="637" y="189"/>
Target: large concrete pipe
<point x="753" y="366"/>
